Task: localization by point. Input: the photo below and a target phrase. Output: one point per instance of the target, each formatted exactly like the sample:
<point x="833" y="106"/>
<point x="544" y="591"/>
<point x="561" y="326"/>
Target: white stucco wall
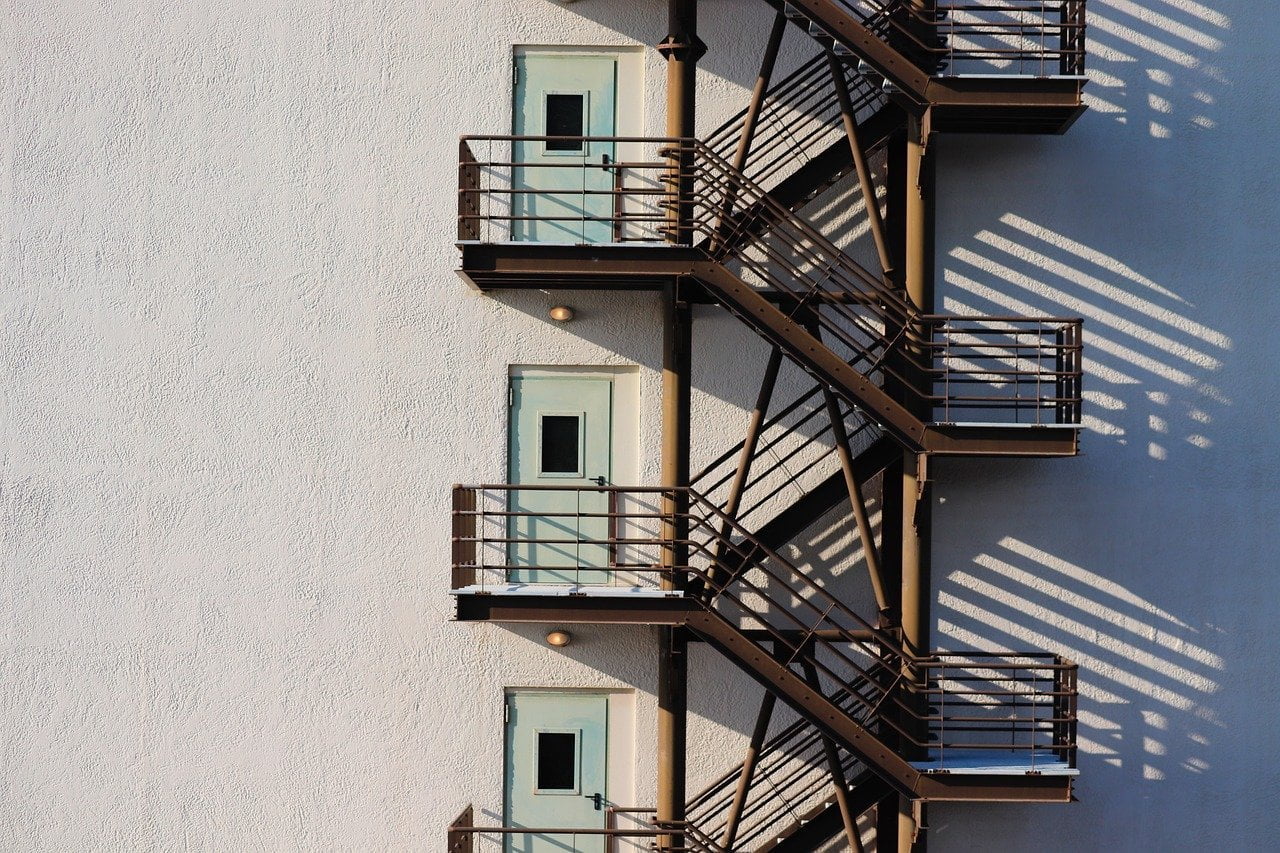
<point x="240" y="374"/>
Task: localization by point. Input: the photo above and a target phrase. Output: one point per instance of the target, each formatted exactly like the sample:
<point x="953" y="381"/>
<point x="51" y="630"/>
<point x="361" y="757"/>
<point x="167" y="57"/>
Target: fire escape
<point x="888" y="385"/>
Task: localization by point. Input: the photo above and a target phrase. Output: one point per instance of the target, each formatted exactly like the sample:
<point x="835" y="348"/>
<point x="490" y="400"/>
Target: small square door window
<point x="566" y="115"/>
<point x="560" y="451"/>
<point x="556" y="763"/>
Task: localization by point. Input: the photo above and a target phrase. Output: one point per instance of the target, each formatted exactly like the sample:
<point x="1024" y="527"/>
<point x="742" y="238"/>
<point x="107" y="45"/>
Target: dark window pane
<point x="557" y="761"/>
<point x="565" y="118"/>
<point x="560" y="444"/>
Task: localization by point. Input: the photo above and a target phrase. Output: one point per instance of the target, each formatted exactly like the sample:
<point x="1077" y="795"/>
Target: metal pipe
<point x="916" y="526"/>
<point x="836" y="768"/>
<point x="860" y="165"/>
<point x="761" y="88"/>
<point x="748" y="453"/>
<point x="682" y="49"/>
<point x="748" y="768"/>
<point x="869" y="549"/>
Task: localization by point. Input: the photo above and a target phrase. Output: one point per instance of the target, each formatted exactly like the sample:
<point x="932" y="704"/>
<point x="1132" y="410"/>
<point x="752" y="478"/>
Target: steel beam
<point x="838" y="780"/>
<point x="758" y="734"/>
<point x="859" y="155"/>
<point x="745" y="458"/>
<point x="870" y="551"/>
<point x="682" y="49"/>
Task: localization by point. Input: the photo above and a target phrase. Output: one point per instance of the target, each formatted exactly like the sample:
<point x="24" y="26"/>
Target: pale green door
<point x="557" y="767"/>
<point x="561" y="434"/>
<point x="563" y="195"/>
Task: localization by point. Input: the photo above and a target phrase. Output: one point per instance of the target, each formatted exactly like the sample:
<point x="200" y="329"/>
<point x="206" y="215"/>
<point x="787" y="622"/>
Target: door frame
<point x="628" y="95"/>
<point x="624" y="438"/>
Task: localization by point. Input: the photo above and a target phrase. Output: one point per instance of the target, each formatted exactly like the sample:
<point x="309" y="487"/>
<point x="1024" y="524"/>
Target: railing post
<point x="464" y="537"/>
<point x="468" y="193"/>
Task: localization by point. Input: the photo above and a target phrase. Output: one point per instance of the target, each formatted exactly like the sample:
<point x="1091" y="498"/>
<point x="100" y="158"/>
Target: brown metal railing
<point x="465" y="837"/>
<point x="983" y="368"/>
<point x="1034" y="37"/>
<point x="858" y="316"/>
<point x="938" y="704"/>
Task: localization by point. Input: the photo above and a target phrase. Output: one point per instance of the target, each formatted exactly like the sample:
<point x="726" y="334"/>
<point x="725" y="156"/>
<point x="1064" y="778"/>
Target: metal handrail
<point x="1045" y="35"/>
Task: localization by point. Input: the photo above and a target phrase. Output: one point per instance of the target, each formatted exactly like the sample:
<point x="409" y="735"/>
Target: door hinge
<point x="506" y="712"/>
<point x="511" y="396"/>
<point x="515" y="71"/>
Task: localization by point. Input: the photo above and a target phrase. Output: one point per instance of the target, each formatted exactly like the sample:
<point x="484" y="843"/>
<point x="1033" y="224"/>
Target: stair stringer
<point x="805" y="700"/>
<point x="811" y="354"/>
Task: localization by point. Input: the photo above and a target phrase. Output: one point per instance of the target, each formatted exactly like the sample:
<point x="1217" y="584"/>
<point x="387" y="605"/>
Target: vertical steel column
<point x="918" y="215"/>
<point x="682" y="49"/>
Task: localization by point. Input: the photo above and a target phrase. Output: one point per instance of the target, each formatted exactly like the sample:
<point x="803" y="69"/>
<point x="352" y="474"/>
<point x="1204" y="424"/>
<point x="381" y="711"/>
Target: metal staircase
<point x="721" y="220"/>
<point x="985" y="385"/>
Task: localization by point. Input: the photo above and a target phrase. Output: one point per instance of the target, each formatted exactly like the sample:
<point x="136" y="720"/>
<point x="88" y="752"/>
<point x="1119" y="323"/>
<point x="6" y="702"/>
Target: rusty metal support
<point x="747" y="775"/>
<point x="745" y="457"/>
<point x="682" y="49"/>
<point x="870" y="551"/>
<point x="758" y="93"/>
<point x="916" y="519"/>
<point x="673" y="701"/>
<point x="865" y="180"/>
<point x="839" y="782"/>
<point x="752" y="117"/>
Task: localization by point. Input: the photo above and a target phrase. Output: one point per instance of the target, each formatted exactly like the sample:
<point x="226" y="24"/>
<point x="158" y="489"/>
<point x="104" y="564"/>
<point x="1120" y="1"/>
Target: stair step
<point x="793" y="13"/>
<point x="816" y="31"/>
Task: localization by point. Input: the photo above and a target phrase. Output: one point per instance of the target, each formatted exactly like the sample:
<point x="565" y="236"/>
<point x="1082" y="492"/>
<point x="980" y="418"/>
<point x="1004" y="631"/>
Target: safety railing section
<point x="988" y="708"/>
<point x="593" y="190"/>
<point x="628" y="537"/>
<point x="994" y="368"/>
<point x="800" y="117"/>
<point x="1041" y="38"/>
<point x="682" y="836"/>
<point x="793" y="452"/>
<point x="572" y="535"/>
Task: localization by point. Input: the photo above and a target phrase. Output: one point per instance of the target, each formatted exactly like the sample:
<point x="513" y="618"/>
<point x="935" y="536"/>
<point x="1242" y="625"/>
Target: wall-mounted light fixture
<point x="561" y="313"/>
<point x="559" y="638"/>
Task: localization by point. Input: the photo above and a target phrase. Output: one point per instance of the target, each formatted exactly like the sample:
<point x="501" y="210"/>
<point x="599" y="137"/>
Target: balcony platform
<point x="989" y="762"/>
<point x="1005" y="103"/>
<point x="571" y="604"/>
<point x="1003" y="439"/>
<point x="570" y="266"/>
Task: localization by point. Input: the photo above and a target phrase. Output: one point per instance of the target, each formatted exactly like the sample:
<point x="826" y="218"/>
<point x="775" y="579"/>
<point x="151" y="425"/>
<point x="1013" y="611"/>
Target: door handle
<point x="597" y="798"/>
<point x="599" y="481"/>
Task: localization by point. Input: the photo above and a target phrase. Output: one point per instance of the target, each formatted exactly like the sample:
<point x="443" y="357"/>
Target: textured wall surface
<point x="239" y="375"/>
